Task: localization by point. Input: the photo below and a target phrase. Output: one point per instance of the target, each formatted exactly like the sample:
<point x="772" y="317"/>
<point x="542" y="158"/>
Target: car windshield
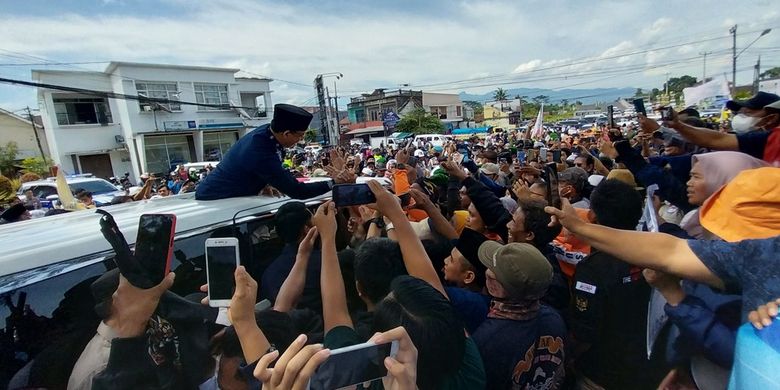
<point x="93" y="186"/>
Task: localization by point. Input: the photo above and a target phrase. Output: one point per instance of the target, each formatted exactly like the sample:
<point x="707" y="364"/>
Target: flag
<point x="537" y="132"/>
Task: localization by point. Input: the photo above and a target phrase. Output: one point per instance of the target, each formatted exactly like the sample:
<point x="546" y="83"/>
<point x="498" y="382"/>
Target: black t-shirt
<point x="610" y="313"/>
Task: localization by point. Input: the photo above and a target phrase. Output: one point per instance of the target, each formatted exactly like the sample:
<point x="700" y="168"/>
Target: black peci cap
<point x="290" y="118"/>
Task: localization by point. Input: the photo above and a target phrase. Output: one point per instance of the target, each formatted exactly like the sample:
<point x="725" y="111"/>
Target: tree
<point x="500" y="94"/>
<point x="565" y="103"/>
<point x="36" y="165"/>
<point x="541" y="99"/>
<point x="676" y="84"/>
<point x="578" y="103"/>
<point x="476" y="106"/>
<point x="310" y="135"/>
<point x="770" y="73"/>
<point x="639" y="93"/>
<point x="654" y="93"/>
<point x="420" y="122"/>
<point x="8" y="158"/>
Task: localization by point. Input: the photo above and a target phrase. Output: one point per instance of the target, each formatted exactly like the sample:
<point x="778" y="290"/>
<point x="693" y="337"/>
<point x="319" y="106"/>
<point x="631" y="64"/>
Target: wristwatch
<point x="379" y="222"/>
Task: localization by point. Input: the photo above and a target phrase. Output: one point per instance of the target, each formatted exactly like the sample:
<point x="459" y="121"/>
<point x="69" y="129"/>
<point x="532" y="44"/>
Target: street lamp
<point x="734" y="57"/>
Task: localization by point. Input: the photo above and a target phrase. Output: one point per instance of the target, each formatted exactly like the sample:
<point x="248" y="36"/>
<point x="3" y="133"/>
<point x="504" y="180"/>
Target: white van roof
<point x="49" y="240"/>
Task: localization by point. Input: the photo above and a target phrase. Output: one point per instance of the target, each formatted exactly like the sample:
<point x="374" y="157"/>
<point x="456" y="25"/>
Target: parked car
<point x="47" y="266"/>
<point x="316" y="149"/>
<point x="433" y="139"/>
<point x="46" y="190"/>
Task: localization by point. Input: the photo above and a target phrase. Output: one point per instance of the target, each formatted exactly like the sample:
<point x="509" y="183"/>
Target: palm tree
<point x="500" y="94"/>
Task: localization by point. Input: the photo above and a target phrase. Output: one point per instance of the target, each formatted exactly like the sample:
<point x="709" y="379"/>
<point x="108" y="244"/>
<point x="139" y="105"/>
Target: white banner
<point x="538" y="131"/>
<point x="712" y="94"/>
<point x="656" y="316"/>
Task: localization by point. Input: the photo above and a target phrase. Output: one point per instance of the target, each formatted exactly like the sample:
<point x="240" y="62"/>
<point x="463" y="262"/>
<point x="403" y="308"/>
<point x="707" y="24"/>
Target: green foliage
<point x="500" y="94"/>
<point x="8" y="155"/>
<point x="29" y="176"/>
<point x="676" y="84"/>
<point x="541" y="99"/>
<point x="310" y="135"/>
<point x="770" y="73"/>
<point x="476" y="106"/>
<point x="639" y="93"/>
<point x="8" y="189"/>
<point x="36" y="165"/>
<point x="420" y="122"/>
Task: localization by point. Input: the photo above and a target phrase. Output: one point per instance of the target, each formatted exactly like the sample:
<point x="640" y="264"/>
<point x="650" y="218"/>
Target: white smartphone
<point x="349" y="366"/>
<point x="222" y="259"/>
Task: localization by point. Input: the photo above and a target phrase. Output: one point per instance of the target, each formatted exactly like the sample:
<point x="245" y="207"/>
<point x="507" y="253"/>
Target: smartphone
<point x="553" y="197"/>
<point x="502" y="161"/>
<point x="532" y="154"/>
<point x="556" y="155"/>
<point x="457" y="157"/>
<point x="639" y="106"/>
<point x="543" y="154"/>
<point x="521" y="156"/>
<point x="611" y="116"/>
<point x="352" y="194"/>
<point x="222" y="259"/>
<point x="667" y="113"/>
<point x="353" y="365"/>
<point x="154" y="245"/>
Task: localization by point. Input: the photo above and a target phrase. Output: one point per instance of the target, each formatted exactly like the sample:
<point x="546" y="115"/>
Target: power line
<point x="114" y="95"/>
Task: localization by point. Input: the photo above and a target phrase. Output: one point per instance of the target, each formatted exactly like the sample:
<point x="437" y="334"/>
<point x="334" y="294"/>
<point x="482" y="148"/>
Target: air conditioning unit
<point x="119" y="139"/>
<point x="147" y="108"/>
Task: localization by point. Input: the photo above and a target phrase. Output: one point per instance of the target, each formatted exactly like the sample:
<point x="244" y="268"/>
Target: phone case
<point x="123" y="257"/>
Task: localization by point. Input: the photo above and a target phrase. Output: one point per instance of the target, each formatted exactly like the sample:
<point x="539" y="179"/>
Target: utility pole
<point x="35" y="131"/>
<point x="704" y="67"/>
<point x="336" y="103"/>
<point x="733" y="32"/>
<point x="756" y="75"/>
<point x="666" y="86"/>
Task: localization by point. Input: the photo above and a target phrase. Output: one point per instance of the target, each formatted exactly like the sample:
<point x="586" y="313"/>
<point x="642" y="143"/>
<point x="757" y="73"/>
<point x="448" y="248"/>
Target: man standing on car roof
<point x="258" y="157"/>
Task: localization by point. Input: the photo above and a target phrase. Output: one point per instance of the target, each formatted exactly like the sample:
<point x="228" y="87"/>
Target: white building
<point x="110" y="136"/>
<point x="770" y="85"/>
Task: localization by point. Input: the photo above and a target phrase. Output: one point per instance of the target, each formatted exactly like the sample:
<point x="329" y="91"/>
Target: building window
<point x="164" y="153"/>
<point x="459" y="112"/>
<point x="212" y="94"/>
<point x="158" y="90"/>
<point x="82" y="111"/>
<point x="216" y="145"/>
<point x="439" y="111"/>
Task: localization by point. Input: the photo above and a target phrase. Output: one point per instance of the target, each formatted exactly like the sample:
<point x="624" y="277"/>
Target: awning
<point x="366" y="130"/>
<point x="476" y="130"/>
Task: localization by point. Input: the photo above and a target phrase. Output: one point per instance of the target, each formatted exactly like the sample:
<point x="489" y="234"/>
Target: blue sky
<point x="432" y="45"/>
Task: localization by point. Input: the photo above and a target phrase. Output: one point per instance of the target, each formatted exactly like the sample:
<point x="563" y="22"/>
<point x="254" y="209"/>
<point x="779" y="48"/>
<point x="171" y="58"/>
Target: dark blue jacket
<point x="252" y="163"/>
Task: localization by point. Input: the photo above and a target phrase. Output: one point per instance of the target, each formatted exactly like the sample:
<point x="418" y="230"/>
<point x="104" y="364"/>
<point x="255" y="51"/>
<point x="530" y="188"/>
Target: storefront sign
<point x="178" y="125"/>
<point x="218" y="124"/>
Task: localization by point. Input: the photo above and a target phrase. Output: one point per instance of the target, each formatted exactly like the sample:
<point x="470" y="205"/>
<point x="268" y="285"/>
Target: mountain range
<point x="586" y="96"/>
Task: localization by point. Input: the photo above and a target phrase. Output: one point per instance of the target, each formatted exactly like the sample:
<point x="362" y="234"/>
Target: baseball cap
<point x="757" y="102"/>
<point x="489" y="169"/>
<point x="419" y="153"/>
<point x="748" y="207"/>
<point x="521" y="269"/>
<point x="775" y="105"/>
<point x="623" y="175"/>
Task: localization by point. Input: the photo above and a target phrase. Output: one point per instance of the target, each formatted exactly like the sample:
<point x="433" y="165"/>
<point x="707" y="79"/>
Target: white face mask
<point x="742" y="123"/>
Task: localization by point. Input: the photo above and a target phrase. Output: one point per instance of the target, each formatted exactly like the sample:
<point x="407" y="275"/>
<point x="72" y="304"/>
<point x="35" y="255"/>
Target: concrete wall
<point x="13" y="129"/>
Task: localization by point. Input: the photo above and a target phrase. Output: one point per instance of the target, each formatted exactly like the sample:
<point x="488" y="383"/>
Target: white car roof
<point x="44" y="241"/>
<point x="68" y="180"/>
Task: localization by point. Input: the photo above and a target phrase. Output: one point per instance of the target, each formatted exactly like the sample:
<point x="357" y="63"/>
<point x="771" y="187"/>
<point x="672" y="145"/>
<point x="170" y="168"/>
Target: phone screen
<point x="543" y="154"/>
<point x="556" y="155"/>
<point x="521" y="156"/>
<point x="553" y="197"/>
<point x="611" y="116"/>
<point x="349" y="368"/>
<point x="666" y="113"/>
<point x="639" y="106"/>
<point x="153" y="244"/>
<point x="221" y="264"/>
<point x="458" y="157"/>
<point x="352" y="195"/>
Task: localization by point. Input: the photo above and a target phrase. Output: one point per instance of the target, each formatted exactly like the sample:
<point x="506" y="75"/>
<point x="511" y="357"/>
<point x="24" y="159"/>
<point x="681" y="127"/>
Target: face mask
<point x="742" y="123"/>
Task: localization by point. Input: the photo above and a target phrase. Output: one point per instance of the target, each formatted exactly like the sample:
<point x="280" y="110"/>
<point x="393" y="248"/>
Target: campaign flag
<point x="538" y="131"/>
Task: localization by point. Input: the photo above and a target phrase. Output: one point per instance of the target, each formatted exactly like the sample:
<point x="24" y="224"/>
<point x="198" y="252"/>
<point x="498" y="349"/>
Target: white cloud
<point x="388" y="46"/>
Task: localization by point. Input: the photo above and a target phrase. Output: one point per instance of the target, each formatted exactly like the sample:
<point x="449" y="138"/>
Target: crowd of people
<point x="503" y="262"/>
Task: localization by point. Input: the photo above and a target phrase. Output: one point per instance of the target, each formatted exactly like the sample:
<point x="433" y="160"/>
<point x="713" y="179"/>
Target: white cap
<point x="367" y="171"/>
<point x="419" y="153"/>
<point x="489" y="169"/>
<point x="594" y="180"/>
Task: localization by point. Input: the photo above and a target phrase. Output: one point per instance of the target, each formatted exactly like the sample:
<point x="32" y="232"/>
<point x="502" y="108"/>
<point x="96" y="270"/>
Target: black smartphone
<point x="154" y="244"/>
<point x="611" y="116"/>
<point x="553" y="197"/>
<point x="128" y="266"/>
<point x="352" y="195"/>
<point x="556" y="155"/>
<point x="639" y="106"/>
<point x="353" y="365"/>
